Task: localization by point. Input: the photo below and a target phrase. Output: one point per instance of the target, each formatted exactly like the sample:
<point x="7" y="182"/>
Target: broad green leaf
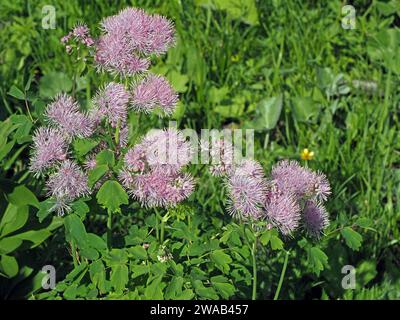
<point x="353" y="238"/>
<point x="80" y="208"/>
<point x="54" y="83"/>
<point x="13" y="219"/>
<point x="305" y="108"/>
<point x="268" y="112"/>
<point x="138" y="270"/>
<point x="222" y="285"/>
<point x="83" y="146"/>
<point x="45" y="209"/>
<point x="34" y="236"/>
<point x="138" y="252"/>
<point x="221" y="260"/>
<point x="111" y="196"/>
<point x="153" y="291"/>
<point x="8" y="266"/>
<point x="16" y="93"/>
<point x="105" y="157"/>
<point x="75" y="230"/>
<point x="98" y="274"/>
<point x="96" y="242"/>
<point x="174" y="287"/>
<point x="96" y="173"/>
<point x="5" y="149"/>
<point x="317" y="260"/>
<point x="22" y="196"/>
<point x="9" y="244"/>
<point x="119" y="277"/>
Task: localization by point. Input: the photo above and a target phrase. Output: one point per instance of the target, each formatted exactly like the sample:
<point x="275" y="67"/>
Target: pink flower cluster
<point x="153" y="169"/>
<point x="79" y="34"/>
<point x="292" y="197"/>
<point x="129" y="38"/>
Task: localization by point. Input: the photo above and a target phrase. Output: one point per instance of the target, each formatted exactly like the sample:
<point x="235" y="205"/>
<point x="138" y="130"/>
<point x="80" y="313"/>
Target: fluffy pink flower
<point x="113" y="54"/>
<point x="154" y="92"/>
<point x="315" y="218"/>
<point x="246" y="196"/>
<point x="158" y="189"/>
<point x="112" y="103"/>
<point x="165" y="150"/>
<point x="68" y="183"/>
<point x="283" y="210"/>
<point x="64" y="113"/>
<point x="49" y="146"/>
<point x="130" y="34"/>
<point x="291" y="177"/>
<point x="250" y="168"/>
<point x="221" y="154"/>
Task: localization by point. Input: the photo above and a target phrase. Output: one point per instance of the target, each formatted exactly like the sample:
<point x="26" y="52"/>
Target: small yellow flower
<point x="307" y="154"/>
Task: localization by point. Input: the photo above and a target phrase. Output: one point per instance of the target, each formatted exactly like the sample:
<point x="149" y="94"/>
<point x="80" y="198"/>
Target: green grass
<point x="223" y="68"/>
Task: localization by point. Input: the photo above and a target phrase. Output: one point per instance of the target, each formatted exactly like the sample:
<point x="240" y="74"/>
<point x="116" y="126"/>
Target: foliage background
<point x="285" y="68"/>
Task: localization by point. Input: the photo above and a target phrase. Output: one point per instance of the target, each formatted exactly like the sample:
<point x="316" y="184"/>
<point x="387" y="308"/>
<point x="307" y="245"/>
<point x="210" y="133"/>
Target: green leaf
<point x="353" y="238"/>
<point x="174" y="288"/>
<point x="317" y="260"/>
<point x="54" y="83"/>
<point x="305" y="109"/>
<point x="13" y="219"/>
<point x="96" y="173"/>
<point x="98" y="274"/>
<point x="75" y="230"/>
<point x="9" y="244"/>
<point x="119" y="277"/>
<point x="111" y="196"/>
<point x="34" y="236"/>
<point x="222" y="285"/>
<point x="45" y="209"/>
<point x="268" y="112"/>
<point x="138" y="252"/>
<point x="154" y="290"/>
<point x="83" y="146"/>
<point x="276" y="243"/>
<point x="22" y="196"/>
<point x="96" y="242"/>
<point x="221" y="260"/>
<point x="105" y="157"/>
<point x="16" y="93"/>
<point x="138" y="270"/>
<point x="80" y="208"/>
<point x="8" y="266"/>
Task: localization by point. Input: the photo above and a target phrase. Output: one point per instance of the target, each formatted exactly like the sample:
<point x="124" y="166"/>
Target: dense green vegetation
<point x="285" y="68"/>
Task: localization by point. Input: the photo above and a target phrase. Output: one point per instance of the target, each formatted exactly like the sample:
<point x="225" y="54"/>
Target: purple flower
<point x="159" y="189"/>
<point x="80" y="31"/>
<point x="154" y="92"/>
<point x="68" y="183"/>
<point x="221" y="153"/>
<point x="64" y="113"/>
<point x="129" y="35"/>
<point x="49" y="146"/>
<point x="113" y="54"/>
<point x="315" y="218"/>
<point x="250" y="168"/>
<point x="291" y="177"/>
<point x="112" y="103"/>
<point x="165" y="150"/>
<point x="282" y="210"/>
<point x="246" y="196"/>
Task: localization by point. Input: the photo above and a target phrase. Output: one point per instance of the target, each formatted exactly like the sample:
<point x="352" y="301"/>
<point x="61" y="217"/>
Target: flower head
<point x="112" y="103"/>
<point x="246" y="196"/>
<point x="159" y="189"/>
<point x="282" y="210"/>
<point x="154" y="92"/>
<point x="315" y="218"/>
<point x="49" y="146"/>
<point x="289" y="176"/>
<point x="68" y="183"/>
<point x="64" y="114"/>
<point x="307" y="154"/>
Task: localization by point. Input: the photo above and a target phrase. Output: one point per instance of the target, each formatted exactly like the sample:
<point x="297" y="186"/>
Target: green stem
<point x="109" y="229"/>
<point x="278" y="290"/>
<point x="253" y="251"/>
<point x="73" y="250"/>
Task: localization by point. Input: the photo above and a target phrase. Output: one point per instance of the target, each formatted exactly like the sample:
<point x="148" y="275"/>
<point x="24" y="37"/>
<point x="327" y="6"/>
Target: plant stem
<point x="253" y="251"/>
<point x="73" y="250"/>
<point x="282" y="276"/>
<point x="109" y="229"/>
